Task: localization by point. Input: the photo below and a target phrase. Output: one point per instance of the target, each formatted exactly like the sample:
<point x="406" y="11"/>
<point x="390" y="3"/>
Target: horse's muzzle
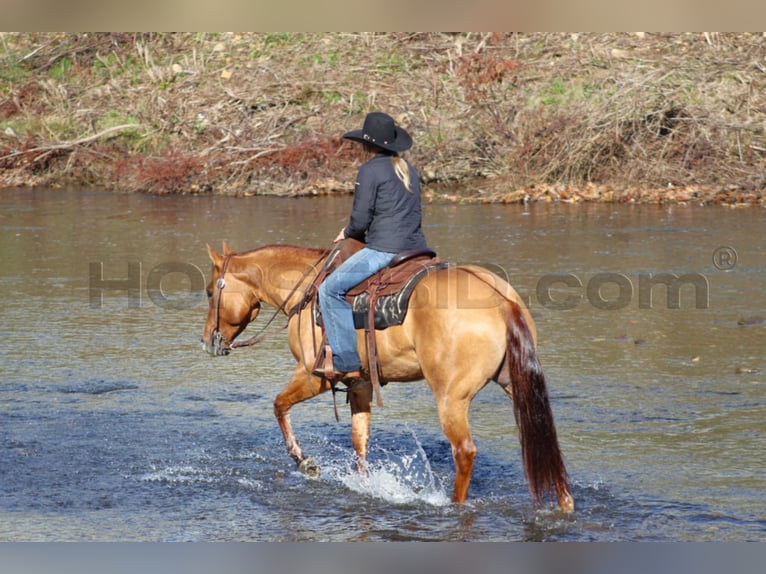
<point x="218" y="345"/>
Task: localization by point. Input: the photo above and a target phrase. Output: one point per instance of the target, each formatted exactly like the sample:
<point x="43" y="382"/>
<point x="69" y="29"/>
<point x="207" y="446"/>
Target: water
<point x="116" y="426"/>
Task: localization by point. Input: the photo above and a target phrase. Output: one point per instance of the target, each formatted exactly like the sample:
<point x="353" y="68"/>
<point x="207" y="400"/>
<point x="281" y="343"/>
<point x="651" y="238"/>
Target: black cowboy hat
<point x="381" y="131"/>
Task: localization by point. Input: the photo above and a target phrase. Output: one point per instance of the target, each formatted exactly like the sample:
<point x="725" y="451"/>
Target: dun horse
<point x="465" y="327"/>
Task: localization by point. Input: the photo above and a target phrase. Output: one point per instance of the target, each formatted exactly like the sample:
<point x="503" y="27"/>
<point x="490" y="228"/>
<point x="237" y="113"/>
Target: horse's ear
<point x="226" y="248"/>
<point x="214" y="257"/>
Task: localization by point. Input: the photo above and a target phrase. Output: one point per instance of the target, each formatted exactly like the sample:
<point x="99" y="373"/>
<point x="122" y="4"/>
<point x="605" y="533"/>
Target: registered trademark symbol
<point x="725" y="258"/>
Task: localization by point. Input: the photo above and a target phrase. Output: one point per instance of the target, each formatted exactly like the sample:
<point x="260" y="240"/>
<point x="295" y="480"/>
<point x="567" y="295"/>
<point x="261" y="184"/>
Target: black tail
<point x="543" y="463"/>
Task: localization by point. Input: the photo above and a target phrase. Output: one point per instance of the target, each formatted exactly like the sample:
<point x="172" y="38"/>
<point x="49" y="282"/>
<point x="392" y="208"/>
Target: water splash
<point x="392" y="475"/>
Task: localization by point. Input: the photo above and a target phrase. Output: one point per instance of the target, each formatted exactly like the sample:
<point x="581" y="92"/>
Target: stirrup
<point x="321" y="373"/>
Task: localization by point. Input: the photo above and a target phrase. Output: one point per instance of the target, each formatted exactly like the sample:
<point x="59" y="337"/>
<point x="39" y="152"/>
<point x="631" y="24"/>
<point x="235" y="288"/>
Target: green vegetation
<point x="614" y="117"/>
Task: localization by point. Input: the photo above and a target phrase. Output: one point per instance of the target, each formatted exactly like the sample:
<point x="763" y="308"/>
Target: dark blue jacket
<point x="385" y="215"/>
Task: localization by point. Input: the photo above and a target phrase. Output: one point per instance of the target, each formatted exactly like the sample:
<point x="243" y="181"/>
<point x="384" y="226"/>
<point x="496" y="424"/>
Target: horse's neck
<point x="281" y="273"/>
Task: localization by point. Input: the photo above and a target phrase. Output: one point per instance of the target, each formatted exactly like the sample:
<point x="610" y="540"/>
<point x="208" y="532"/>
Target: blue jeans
<point x="336" y="311"/>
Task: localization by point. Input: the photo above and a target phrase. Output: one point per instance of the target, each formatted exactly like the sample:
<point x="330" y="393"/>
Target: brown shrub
<point x="173" y="172"/>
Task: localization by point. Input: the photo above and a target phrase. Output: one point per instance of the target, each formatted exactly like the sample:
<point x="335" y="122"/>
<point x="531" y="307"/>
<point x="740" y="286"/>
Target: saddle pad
<point x="390" y="309"/>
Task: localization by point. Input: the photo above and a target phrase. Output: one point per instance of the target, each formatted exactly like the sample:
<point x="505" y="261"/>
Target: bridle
<point x="218" y="340"/>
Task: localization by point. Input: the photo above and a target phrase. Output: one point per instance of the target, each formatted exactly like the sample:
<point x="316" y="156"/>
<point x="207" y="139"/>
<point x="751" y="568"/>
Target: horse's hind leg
<point x="453" y="415"/>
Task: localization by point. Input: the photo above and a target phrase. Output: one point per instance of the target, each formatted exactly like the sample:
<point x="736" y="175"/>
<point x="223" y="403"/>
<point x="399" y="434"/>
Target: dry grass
<point x="507" y="116"/>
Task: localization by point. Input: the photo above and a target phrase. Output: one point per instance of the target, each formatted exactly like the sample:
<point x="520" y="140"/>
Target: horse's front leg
<point x="300" y="388"/>
<point x="360" y="398"/>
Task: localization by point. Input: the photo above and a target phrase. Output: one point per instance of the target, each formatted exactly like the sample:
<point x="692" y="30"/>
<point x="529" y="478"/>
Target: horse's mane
<point x="287" y="250"/>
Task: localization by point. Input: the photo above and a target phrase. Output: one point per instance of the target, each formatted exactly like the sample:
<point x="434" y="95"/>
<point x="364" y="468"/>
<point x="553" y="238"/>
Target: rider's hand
<point x="341" y="236"/>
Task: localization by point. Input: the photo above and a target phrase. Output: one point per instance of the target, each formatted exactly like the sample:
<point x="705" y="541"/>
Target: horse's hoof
<point x="309" y="468"/>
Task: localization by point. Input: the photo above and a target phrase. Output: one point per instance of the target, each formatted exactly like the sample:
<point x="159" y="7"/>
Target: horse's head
<point x="232" y="303"/>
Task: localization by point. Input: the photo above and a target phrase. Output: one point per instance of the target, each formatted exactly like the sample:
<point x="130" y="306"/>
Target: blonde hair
<point x="402" y="171"/>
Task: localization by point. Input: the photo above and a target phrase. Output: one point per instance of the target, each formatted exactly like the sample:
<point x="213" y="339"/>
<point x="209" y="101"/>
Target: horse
<point x="465" y="326"/>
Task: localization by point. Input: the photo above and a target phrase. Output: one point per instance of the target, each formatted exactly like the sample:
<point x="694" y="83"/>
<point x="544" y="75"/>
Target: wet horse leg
<point x="453" y="415"/>
<point x="360" y="397"/>
<point x="300" y="388"/>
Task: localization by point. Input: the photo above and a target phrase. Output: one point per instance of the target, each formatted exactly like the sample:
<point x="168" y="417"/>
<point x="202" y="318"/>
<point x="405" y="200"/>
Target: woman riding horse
<point x="386" y="216"/>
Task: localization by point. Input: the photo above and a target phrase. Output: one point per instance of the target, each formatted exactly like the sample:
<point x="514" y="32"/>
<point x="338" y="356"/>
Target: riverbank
<point x="645" y="118"/>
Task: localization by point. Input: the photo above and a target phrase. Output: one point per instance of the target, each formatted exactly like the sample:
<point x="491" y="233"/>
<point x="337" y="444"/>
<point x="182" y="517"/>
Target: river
<point x="116" y="426"/>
